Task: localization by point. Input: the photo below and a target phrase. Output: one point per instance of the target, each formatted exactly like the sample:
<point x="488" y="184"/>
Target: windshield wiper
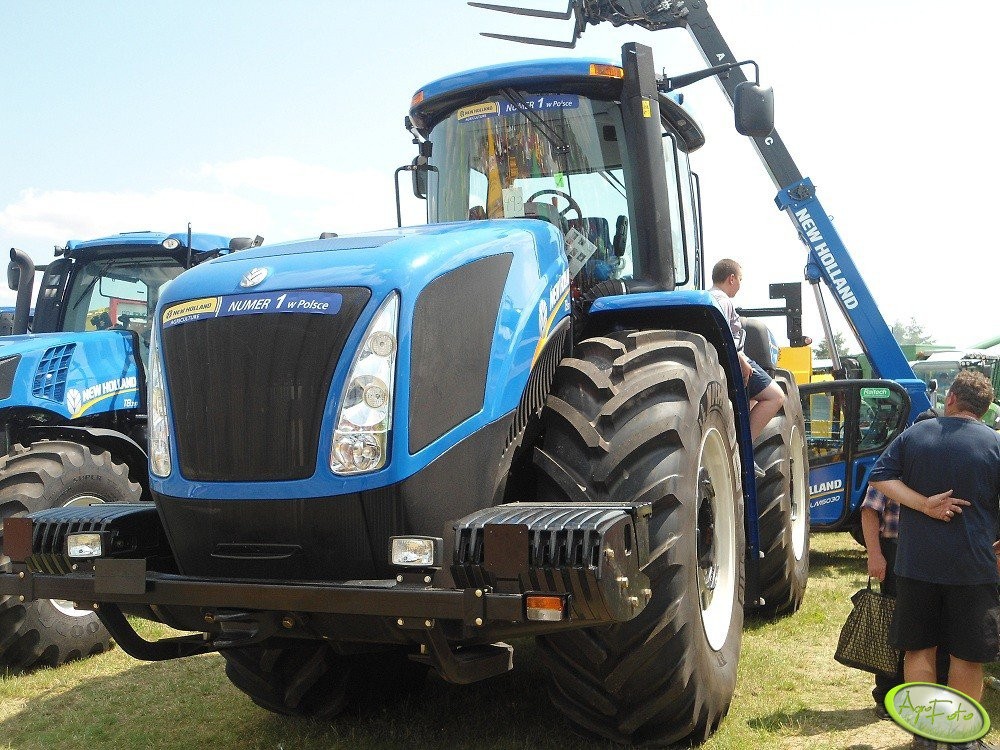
<point x="97" y="277"/>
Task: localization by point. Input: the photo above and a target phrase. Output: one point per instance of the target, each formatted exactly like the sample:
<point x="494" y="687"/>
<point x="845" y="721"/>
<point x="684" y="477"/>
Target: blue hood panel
<point x="74" y="375"/>
<point x="533" y="302"/>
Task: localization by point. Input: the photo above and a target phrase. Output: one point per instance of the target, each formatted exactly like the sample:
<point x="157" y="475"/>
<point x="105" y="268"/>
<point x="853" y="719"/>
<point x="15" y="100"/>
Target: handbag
<point x="864" y="639"/>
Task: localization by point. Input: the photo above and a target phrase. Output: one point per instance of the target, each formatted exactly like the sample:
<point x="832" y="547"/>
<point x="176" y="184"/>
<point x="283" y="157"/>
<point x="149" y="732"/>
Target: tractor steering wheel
<point x="573" y="205"/>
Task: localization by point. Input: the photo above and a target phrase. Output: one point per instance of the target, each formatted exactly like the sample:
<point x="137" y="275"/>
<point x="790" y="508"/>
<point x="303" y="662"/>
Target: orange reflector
<point x="606" y="71"/>
<point x="417" y="98"/>
<point x="546" y="608"/>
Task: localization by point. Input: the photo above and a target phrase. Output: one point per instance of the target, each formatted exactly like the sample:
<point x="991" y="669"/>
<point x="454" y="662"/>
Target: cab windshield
<point x="556" y="157"/>
<point x="119" y="294"/>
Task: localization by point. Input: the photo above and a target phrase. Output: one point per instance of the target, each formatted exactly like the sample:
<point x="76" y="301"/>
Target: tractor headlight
<point x="159" y="425"/>
<point x="364" y="416"/>
<point x="84" y="545"/>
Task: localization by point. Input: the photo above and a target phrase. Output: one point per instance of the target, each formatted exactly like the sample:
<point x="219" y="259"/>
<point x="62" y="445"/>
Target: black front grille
<point x="248" y="391"/>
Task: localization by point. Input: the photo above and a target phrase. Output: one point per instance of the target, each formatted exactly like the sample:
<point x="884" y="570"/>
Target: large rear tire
<point x="645" y="416"/>
<point x="309" y="679"/>
<point x="53" y="474"/>
<point x="783" y="504"/>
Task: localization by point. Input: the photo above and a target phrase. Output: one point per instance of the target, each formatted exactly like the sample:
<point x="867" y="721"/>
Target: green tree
<point x="911" y="333"/>
<point x="822" y="348"/>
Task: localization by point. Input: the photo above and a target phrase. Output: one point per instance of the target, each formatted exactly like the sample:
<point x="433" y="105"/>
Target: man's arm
<point x="942" y="506"/>
<point x="876" y="560"/>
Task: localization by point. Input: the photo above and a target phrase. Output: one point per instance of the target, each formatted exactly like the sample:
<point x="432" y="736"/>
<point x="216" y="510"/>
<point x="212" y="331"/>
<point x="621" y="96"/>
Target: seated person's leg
<point x="766" y="398"/>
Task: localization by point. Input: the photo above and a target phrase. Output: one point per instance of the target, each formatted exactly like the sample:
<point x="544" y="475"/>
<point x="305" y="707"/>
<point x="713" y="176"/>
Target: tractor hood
<point x="402" y="259"/>
<point x="257" y="347"/>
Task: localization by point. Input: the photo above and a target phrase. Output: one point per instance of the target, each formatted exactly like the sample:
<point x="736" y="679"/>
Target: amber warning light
<point x="545" y="608"/>
<point x="606" y="71"/>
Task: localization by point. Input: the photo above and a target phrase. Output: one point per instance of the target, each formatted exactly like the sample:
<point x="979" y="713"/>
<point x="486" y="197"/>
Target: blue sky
<point x="285" y="120"/>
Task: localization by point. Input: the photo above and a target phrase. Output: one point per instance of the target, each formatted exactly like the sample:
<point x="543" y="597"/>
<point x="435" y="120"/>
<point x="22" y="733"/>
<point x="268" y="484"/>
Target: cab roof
<point x="601" y="78"/>
<point x="200" y="242"/>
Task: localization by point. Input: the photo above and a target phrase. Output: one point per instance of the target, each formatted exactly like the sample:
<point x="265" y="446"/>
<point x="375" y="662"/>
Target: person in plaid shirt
<point x="880" y="526"/>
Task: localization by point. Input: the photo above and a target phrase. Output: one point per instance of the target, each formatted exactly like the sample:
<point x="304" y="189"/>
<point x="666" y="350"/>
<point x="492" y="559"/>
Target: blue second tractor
<point x="73" y="404"/>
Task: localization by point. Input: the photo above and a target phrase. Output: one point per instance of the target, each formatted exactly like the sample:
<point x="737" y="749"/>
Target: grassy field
<point x="791" y="694"/>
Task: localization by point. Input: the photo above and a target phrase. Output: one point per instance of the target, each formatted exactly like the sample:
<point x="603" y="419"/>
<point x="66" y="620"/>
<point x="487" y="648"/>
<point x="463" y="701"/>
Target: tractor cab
<point x="552" y="140"/>
<point x="114" y="283"/>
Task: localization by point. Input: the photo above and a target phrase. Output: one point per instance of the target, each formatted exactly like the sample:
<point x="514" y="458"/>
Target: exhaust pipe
<point x="21" y="276"/>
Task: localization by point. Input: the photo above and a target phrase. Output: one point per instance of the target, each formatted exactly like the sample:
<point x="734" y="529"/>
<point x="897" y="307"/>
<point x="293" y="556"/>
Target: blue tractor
<point x="372" y="455"/>
<point x="73" y="405"/>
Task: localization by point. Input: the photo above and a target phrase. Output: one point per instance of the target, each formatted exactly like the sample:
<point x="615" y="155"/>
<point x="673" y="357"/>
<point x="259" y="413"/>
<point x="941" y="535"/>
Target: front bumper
<point x="591" y="556"/>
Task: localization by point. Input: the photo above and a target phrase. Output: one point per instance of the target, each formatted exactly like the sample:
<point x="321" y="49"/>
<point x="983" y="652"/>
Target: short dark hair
<point x="724" y="269"/>
<point x="973" y="391"/>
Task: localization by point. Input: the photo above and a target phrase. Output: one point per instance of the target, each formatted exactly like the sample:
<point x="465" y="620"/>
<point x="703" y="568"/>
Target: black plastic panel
<point x="248" y="391"/>
<point x="453" y="326"/>
<point x="8" y="369"/>
<point x="339" y="538"/>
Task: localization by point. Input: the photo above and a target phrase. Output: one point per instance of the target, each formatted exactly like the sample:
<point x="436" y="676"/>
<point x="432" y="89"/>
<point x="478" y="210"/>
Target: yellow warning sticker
<point x="478" y="110"/>
<point x="192" y="307"/>
<point x="647" y="111"/>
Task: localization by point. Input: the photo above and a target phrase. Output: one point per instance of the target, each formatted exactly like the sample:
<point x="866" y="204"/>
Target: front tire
<point x="53" y="474"/>
<point x="310" y="679"/>
<point x="645" y="416"/>
<point x="783" y="505"/>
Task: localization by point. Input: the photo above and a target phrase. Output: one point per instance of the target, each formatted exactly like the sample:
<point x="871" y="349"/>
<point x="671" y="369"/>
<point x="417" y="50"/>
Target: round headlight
<point x="171" y="243"/>
<point x="358" y="451"/>
<point x="382" y="344"/>
<point x="376" y="394"/>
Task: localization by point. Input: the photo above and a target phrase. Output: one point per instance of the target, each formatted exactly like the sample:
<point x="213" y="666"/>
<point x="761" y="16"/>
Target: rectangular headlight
<point x="84" y="545"/>
<point x="416" y="551"/>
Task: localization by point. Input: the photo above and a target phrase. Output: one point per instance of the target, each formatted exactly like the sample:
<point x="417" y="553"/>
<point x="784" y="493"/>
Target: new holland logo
<point x="253" y="277"/>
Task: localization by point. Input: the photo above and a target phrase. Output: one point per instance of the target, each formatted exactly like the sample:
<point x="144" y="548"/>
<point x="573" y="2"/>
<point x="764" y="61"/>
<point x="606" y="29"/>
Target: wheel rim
<point x="64" y="605"/>
<point x="716" y="538"/>
<point x="797" y="495"/>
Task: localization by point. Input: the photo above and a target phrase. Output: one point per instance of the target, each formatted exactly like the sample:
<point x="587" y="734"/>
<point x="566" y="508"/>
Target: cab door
<point x="848" y="425"/>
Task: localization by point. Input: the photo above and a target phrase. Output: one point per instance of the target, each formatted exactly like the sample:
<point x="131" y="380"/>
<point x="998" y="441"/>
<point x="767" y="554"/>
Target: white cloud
<point x="54" y="216"/>
<point x="277" y="197"/>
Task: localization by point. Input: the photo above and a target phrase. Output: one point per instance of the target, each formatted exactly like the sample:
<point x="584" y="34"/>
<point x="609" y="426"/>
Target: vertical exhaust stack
<point x="21" y="276"/>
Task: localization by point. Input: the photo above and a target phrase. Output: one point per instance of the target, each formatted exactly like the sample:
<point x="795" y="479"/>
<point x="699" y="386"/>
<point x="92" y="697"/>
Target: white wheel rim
<point x="716" y="538"/>
<point x="64" y="605"/>
<point x="797" y="494"/>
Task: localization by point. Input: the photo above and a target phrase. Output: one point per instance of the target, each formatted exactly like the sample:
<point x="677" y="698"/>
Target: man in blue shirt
<point x="945" y="473"/>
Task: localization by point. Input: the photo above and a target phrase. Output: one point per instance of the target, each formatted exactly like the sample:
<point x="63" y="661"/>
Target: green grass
<point x="790" y="694"/>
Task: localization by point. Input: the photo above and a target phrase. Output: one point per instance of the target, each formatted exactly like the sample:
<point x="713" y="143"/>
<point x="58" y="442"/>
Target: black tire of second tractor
<point x="783" y="505"/>
<point x="51" y="474"/>
<point x="627" y="420"/>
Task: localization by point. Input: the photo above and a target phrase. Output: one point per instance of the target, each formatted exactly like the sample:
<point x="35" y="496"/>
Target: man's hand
<point x="943" y="506"/>
<point x="996" y="551"/>
<point x="876" y="566"/>
<point x="746" y="368"/>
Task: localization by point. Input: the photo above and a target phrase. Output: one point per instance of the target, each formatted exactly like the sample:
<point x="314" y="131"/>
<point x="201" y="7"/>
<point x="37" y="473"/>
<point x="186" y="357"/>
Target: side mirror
<point x="420" y="172"/>
<point x="621" y="236"/>
<point x="932" y="386"/>
<point x="754" y="109"/>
